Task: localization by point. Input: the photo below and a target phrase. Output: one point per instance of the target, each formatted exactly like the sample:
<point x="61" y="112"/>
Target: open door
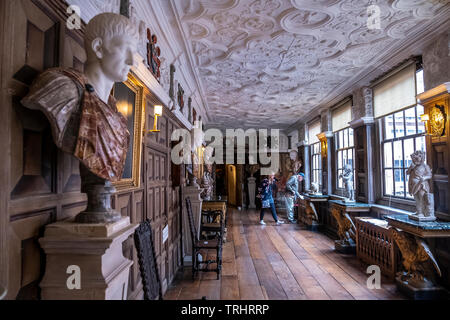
<point x="231" y="182"/>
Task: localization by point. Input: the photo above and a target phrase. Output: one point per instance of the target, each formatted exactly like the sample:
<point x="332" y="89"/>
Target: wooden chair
<point x="213" y="222"/>
<point x="198" y="245"/>
<point x="148" y="266"/>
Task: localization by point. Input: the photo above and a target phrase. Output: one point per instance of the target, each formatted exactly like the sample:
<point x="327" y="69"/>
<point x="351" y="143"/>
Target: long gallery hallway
<point x="276" y="263"/>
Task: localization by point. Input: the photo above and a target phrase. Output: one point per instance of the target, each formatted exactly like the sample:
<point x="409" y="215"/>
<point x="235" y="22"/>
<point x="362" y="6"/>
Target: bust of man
<point x="82" y="113"/>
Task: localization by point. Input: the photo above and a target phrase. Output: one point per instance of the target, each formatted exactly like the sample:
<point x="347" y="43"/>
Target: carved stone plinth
<point x="345" y="247"/>
<point x="251" y="192"/>
<point x="419" y="293"/>
<point x="99" y="192"/>
<point x="96" y="249"/>
<point x="422" y="218"/>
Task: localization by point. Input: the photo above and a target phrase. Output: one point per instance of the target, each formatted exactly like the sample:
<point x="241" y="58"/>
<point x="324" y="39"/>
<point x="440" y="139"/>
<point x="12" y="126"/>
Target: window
<point x="315" y="150"/>
<point x="402" y="133"/>
<point x="316" y="164"/>
<point x="341" y="116"/>
<point x="345" y="152"/>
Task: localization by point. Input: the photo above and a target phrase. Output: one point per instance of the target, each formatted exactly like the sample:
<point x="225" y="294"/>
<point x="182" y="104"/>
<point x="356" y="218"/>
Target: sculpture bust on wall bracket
<point x="83" y="115"/>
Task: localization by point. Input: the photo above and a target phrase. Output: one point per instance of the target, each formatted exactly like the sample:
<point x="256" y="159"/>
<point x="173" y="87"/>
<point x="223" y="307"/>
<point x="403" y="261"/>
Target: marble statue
<point x="292" y="194"/>
<point x="420" y="176"/>
<point x="83" y="115"/>
<point x="347" y="178"/>
<point x="418" y="260"/>
<point x="314" y="188"/>
<point x="346" y="227"/>
<point x="208" y="186"/>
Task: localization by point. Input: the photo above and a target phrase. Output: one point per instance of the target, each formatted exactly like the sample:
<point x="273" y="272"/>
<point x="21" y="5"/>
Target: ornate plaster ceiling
<point x="270" y="62"/>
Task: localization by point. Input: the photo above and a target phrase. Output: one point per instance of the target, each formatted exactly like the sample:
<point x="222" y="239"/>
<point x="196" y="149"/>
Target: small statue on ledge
<point x="208" y="186"/>
<point x="420" y="176"/>
<point x="83" y="115"/>
<point x="347" y="178"/>
<point x="314" y="188"/>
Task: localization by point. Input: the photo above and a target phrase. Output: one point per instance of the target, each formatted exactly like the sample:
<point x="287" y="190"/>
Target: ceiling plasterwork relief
<point x="260" y="58"/>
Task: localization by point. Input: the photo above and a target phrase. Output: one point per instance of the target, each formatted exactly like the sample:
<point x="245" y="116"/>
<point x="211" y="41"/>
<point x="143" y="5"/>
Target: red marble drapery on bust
<point x="82" y="124"/>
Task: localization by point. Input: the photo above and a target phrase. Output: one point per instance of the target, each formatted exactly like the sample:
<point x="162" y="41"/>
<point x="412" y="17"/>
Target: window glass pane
<point x="340" y="160"/>
<point x="420" y="83"/>
<point x="341" y="139"/>
<point x="399" y="125"/>
<point x="398" y="155"/>
<point x="399" y="183"/>
<point x="410" y="118"/>
<point x="409" y="149"/>
<point x="352" y="140"/>
<point x="388" y="155"/>
<point x="389" y="127"/>
<point x="420" y="144"/>
<point x="350" y="158"/>
<point x="421" y="125"/>
<point x="345" y="159"/>
<point x="388" y="186"/>
<point x="345" y="132"/>
<point x="407" y="190"/>
<point x="340" y="184"/>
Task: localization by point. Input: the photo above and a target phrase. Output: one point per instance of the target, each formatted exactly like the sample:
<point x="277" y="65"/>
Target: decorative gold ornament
<point x="437" y="121"/>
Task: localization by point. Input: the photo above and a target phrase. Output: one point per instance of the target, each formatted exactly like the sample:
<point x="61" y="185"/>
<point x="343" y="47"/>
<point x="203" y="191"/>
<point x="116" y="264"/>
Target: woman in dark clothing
<point x="265" y="193"/>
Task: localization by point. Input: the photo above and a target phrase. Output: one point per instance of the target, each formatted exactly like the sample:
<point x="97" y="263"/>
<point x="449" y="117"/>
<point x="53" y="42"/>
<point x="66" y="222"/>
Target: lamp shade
<point x="158" y="110"/>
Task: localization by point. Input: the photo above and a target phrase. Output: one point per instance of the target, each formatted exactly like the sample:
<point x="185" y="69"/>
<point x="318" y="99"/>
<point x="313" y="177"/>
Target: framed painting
<point x="129" y="97"/>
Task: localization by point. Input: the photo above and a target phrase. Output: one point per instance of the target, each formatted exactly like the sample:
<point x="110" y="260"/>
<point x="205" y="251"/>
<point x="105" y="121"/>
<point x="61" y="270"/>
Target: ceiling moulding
<point x="401" y="50"/>
<point x="91" y="8"/>
<point x="187" y="49"/>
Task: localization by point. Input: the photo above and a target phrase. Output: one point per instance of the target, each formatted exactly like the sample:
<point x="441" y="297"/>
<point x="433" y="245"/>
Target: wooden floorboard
<point x="278" y="263"/>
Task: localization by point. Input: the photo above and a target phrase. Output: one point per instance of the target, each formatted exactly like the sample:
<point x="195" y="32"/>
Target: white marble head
<point x="418" y="157"/>
<point x="111" y="41"/>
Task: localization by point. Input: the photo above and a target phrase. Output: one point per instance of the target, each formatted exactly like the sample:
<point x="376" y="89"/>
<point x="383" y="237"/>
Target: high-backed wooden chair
<point x="144" y="242"/>
<point x="198" y="245"/>
<point x="213" y="223"/>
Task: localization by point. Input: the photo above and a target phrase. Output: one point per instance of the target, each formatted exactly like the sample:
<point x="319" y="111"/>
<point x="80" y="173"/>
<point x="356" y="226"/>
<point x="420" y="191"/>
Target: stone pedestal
<point x="193" y="192"/>
<point x="417" y="293"/>
<point x="344" y="247"/>
<point x="251" y="192"/>
<point x="96" y="251"/>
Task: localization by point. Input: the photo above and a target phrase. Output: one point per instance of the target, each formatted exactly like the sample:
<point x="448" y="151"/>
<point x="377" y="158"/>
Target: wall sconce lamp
<point x="158" y="113"/>
<point x="426" y="119"/>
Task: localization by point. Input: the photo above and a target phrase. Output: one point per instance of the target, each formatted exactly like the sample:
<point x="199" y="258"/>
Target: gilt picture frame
<point x="130" y="103"/>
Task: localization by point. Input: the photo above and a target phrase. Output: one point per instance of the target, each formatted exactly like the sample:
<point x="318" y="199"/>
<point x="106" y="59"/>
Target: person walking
<point x="265" y="193"/>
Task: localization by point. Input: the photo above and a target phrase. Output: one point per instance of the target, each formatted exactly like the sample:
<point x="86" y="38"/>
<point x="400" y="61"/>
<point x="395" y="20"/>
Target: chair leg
<point x="194" y="258"/>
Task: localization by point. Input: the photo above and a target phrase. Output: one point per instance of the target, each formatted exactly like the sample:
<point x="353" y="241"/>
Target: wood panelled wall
<point x="40" y="184"/>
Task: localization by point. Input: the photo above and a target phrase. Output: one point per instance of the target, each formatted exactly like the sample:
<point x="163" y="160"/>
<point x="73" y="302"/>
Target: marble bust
<point x="84" y="119"/>
<point x="420" y="176"/>
<point x="347" y="178"/>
